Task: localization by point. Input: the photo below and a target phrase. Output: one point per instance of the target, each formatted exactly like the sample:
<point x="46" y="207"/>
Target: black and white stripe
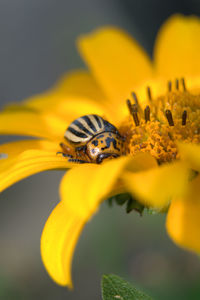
<point x="84" y="128"/>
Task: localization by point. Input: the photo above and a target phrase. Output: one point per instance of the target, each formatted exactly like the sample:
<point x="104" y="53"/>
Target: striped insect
<point x="93" y="139"/>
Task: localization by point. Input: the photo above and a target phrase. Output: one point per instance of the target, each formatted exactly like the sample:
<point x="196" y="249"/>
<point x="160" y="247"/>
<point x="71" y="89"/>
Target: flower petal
<point x="80" y="84"/>
<point x="156" y="187"/>
<point x="32" y="124"/>
<point x="116" y="60"/>
<point x="15" y="148"/>
<point x="177" y="47"/>
<point x="11" y="150"/>
<point x="74" y="95"/>
<point x="99" y="182"/>
<point x="82" y="189"/>
<point x="73" y="108"/>
<point x="191" y="154"/>
<point x="58" y="241"/>
<point x="28" y="163"/>
<point x="54" y="116"/>
<point x="183" y="219"/>
<point x="77" y="84"/>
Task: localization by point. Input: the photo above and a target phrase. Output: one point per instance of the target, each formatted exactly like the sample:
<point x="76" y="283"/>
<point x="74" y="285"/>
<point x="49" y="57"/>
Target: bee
<point x="93" y="139"/>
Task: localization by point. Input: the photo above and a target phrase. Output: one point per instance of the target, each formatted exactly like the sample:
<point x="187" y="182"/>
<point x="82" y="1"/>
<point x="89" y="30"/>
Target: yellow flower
<point x="161" y="130"/>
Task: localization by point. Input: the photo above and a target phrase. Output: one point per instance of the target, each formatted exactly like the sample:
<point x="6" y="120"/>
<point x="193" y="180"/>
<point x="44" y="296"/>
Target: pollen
<point x="158" y="126"/>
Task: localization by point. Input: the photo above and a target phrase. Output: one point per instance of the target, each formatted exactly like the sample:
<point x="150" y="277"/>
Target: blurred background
<point x="37" y="47"/>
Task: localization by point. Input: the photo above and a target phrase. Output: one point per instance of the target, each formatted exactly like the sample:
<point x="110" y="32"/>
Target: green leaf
<point x="131" y="203"/>
<point x="115" y="288"/>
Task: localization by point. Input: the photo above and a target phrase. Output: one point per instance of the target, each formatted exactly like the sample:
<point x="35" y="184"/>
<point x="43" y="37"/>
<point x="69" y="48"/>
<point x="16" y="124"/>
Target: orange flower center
<point x="172" y="117"/>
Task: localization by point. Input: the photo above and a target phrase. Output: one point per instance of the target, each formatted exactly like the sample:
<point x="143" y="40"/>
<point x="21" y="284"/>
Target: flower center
<point x="156" y="128"/>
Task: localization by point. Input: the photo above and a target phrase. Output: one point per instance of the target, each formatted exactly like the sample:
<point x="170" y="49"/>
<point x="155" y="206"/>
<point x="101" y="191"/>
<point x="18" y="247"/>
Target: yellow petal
<point x="52" y="118"/>
<point x="156" y="187"/>
<point x="76" y="94"/>
<point x="158" y="86"/>
<point x="80" y="84"/>
<point x="77" y="84"/>
<point x="116" y="60"/>
<point x="32" y="124"/>
<point x="183" y="219"/>
<point x="11" y="150"/>
<point x="28" y="163"/>
<point x="177" y="47"/>
<point x="191" y="154"/>
<point x="82" y="189"/>
<point x="14" y="148"/>
<point x="58" y="240"/>
<point x="73" y="108"/>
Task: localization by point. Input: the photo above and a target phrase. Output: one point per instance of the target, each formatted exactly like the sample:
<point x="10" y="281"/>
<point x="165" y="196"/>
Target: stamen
<point x="133" y="108"/>
<point x="147" y="113"/>
<point x="169" y="86"/>
<point x="177" y="84"/>
<point x="149" y="93"/>
<point x="155" y="126"/>
<point x="169" y="117"/>
<point x="184" y="117"/>
<point x="135" y="115"/>
<point x="135" y="118"/>
<point x="183" y="84"/>
<point x="135" y="98"/>
<point x="128" y="102"/>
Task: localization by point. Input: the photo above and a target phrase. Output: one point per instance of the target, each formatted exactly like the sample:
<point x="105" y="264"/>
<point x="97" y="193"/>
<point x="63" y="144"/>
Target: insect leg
<point x="66" y="151"/>
<point x="65" y="147"/>
<point x="70" y="156"/>
<point x="65" y="155"/>
<point x="80" y="161"/>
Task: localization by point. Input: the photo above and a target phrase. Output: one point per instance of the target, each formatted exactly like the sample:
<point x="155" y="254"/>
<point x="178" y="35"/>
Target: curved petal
<point x="75" y="95"/>
<point x="82" y="189"/>
<point x="191" y="154"/>
<point x="11" y="150"/>
<point x="156" y="187"/>
<point x="177" y="47"/>
<point x="32" y="124"/>
<point x="183" y="219"/>
<point x="28" y="163"/>
<point x="73" y="108"/>
<point x="63" y="112"/>
<point x="58" y="241"/>
<point x="77" y="84"/>
<point x="99" y="182"/>
<point x="80" y="84"/>
<point x="15" y="148"/>
<point x="116" y="60"/>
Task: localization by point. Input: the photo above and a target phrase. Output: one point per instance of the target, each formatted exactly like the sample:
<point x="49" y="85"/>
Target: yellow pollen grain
<point x="156" y="136"/>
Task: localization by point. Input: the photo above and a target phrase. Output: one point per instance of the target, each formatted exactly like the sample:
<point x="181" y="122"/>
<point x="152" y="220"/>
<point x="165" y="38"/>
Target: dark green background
<point x="37" y="45"/>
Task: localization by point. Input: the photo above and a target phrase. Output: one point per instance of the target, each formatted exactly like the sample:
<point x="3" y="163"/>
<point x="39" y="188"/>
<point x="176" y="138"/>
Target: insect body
<point x="94" y="139"/>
